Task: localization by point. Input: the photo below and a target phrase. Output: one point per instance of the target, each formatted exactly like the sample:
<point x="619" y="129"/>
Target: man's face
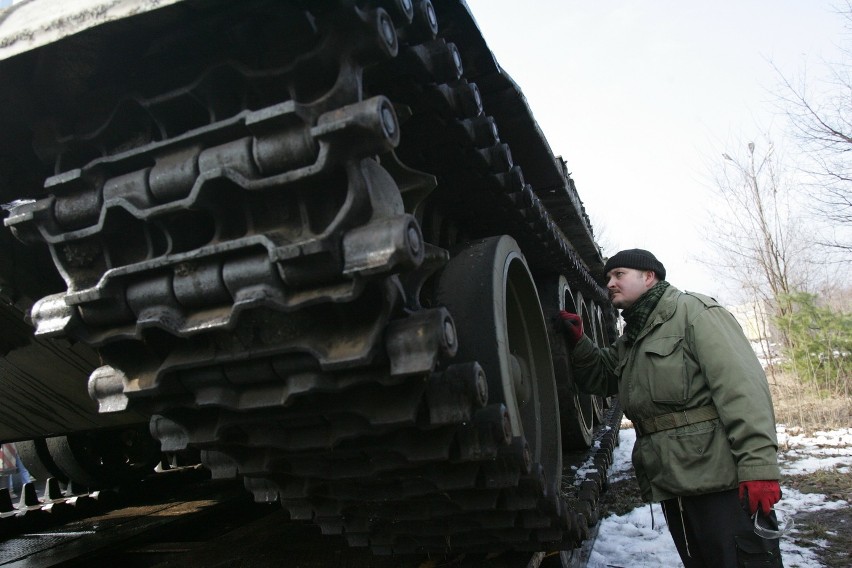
<point x="625" y="285"/>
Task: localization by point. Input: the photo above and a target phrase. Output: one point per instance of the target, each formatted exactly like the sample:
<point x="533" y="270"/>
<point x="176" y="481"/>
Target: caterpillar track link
<point x="312" y="240"/>
<point x="42" y="379"/>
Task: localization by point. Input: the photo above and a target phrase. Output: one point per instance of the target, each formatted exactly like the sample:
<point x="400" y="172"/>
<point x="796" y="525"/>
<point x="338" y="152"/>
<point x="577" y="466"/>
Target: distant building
<point x="755" y="320"/>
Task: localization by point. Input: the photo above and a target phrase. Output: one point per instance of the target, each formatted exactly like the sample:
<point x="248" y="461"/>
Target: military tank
<point x="320" y="243"/>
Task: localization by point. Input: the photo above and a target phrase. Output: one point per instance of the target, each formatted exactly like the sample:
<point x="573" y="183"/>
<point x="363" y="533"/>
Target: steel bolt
<point x="481" y="387"/>
<point x="507" y="427"/>
<point x="414" y="242"/>
<point x="431" y="17"/>
<point x="449" y="333"/>
<point x="477" y="98"/>
<point x="388" y="120"/>
<point x="456" y="56"/>
<point x="527" y="456"/>
<point x="387" y="29"/>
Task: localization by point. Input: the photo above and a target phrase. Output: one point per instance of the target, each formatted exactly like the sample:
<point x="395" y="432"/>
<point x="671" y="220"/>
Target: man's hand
<point x="572" y="325"/>
<point x="763" y="494"/>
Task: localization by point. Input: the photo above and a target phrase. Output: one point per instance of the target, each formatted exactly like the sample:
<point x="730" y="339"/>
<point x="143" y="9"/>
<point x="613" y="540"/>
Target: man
<point x="698" y="398"/>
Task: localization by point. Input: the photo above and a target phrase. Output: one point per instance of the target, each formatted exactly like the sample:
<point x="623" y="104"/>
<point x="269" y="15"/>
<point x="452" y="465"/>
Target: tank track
<point x="42" y="380"/>
<point x="583" y="480"/>
<point x="248" y="234"/>
<point x="53" y="507"/>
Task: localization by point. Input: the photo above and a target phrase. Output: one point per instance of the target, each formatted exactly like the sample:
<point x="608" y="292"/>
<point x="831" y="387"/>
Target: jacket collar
<point x="663" y="312"/>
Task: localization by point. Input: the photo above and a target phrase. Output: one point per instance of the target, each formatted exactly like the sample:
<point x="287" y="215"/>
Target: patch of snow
<point x="800" y="454"/>
<point x="635" y="540"/>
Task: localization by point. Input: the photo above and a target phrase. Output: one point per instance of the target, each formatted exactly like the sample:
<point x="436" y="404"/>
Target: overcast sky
<point x="641" y="97"/>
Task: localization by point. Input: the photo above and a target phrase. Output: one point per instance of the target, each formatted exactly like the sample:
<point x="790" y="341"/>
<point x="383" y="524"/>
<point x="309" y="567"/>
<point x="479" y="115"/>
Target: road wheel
<point x="576" y="424"/>
<point x="490" y="293"/>
<point x="105" y="458"/>
<point x="592" y="406"/>
<point x="36" y="458"/>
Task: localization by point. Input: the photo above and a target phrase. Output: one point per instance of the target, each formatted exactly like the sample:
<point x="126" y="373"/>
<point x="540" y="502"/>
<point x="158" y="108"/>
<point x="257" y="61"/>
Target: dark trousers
<point x="715" y="531"/>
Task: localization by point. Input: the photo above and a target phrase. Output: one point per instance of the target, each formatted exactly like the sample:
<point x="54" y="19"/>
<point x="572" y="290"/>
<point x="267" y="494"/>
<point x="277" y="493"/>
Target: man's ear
<point x="650" y="278"/>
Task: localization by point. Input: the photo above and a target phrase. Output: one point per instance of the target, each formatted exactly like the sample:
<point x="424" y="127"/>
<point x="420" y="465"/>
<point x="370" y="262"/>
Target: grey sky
<point x="639" y="97"/>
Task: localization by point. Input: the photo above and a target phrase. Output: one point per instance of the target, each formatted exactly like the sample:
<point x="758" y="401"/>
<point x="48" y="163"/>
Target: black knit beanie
<point x="638" y="259"/>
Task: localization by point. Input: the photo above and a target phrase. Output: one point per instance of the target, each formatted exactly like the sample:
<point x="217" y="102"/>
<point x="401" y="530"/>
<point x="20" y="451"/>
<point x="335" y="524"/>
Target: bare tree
<point x="820" y="112"/>
<point x="757" y="235"/>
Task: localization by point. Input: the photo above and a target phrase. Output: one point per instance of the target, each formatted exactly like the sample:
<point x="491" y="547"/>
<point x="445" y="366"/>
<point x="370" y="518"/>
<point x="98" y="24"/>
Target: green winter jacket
<point x="691" y="353"/>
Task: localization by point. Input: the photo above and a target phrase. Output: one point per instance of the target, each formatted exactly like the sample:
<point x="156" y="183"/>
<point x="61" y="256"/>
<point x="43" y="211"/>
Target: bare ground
<point x="829" y="532"/>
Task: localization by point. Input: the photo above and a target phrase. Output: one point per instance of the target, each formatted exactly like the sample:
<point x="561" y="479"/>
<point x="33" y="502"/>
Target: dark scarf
<point x="636" y="315"/>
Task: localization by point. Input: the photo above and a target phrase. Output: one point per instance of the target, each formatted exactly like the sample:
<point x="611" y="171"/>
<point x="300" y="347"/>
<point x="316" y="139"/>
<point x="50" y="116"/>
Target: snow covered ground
<point x="631" y="541"/>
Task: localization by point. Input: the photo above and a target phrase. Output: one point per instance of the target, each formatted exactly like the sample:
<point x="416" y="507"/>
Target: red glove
<point x="761" y="494"/>
<point x="572" y="325"/>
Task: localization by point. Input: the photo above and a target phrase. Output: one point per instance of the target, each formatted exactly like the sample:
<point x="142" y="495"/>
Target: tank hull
<point x="278" y="224"/>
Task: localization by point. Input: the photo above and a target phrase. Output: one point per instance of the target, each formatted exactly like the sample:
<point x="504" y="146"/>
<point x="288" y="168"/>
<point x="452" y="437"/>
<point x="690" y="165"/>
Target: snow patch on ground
<point x="641" y="538"/>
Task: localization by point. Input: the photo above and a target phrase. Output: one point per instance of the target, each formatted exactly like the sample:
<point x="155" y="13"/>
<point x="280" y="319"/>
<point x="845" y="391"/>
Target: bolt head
<point x="387" y="29"/>
<point x="388" y="120"/>
<point x="449" y="333"/>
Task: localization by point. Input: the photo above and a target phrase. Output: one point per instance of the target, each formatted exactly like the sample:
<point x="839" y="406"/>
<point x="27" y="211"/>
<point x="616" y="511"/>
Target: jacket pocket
<point x="666" y="369"/>
<point x="698" y="459"/>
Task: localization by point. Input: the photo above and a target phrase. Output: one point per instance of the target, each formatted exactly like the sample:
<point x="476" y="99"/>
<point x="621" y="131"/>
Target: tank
<point x="322" y="244"/>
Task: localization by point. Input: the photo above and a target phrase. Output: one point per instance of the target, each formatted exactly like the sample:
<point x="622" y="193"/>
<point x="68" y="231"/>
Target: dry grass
<point x="803" y="405"/>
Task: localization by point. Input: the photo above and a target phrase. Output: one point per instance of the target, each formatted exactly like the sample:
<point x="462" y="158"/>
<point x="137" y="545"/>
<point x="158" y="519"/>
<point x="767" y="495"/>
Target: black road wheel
<point x="105" y="458"/>
<point x="592" y="406"/>
<point x="601" y="339"/>
<point x="36" y="458"/>
<point x="490" y="293"/>
<point x="575" y="424"/>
